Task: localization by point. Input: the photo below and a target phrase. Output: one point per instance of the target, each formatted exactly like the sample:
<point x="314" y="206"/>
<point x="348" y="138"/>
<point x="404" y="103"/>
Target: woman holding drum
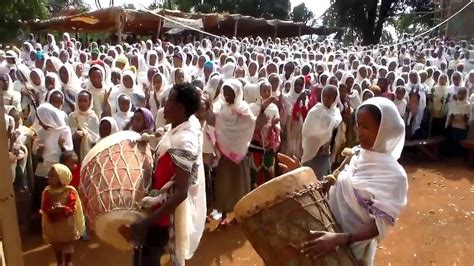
<point x="179" y="211"/>
<point x="369" y="192"/>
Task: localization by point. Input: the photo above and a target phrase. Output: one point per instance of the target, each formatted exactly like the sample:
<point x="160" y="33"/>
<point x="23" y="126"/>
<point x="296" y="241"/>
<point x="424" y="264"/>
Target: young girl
<point x="107" y="127"/>
<point x="235" y="126"/>
<point x="129" y="87"/>
<point x="296" y="99"/>
<point x="142" y="121"/>
<point x="10" y="96"/>
<point x="266" y="137"/>
<point x="318" y="129"/>
<point x="98" y="86"/>
<point x="63" y="219"/>
<point x="124" y="113"/>
<point x="400" y="100"/>
<point x="458" y="119"/>
<point x="157" y="96"/>
<point x="440" y="100"/>
<point x="370" y="192"/>
<point x="84" y="124"/>
<point x="53" y="138"/>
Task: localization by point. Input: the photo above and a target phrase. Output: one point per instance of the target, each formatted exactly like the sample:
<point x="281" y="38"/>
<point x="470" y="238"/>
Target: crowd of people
<point x="257" y="98"/>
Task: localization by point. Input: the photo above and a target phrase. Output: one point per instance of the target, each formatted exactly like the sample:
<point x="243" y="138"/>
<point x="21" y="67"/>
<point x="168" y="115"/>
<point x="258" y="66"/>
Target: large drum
<point x="278" y="216"/>
<point x="115" y="176"/>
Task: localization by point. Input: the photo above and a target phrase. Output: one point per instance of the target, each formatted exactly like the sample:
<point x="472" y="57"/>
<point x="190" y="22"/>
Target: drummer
<point x="178" y="173"/>
<point x="369" y="193"/>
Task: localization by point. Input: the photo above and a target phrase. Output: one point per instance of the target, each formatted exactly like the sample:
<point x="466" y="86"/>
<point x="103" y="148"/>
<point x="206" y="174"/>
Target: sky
<point x="317" y="6"/>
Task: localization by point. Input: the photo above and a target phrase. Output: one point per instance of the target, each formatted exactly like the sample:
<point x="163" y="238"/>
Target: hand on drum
<point x="136" y="232"/>
<point x="287" y="164"/>
<point x="322" y="243"/>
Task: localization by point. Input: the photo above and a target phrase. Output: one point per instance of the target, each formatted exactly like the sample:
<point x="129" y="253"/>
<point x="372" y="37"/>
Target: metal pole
<point x="8" y="216"/>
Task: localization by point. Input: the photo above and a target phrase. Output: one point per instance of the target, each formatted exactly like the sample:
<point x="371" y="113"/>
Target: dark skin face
<point x="115" y="78"/>
<point x="127" y="82"/>
<point x="229" y="94"/>
<point x="157" y="81"/>
<point x="134" y="61"/>
<point x="53" y="179"/>
<point x="96" y="78"/>
<point x="63" y="74"/>
<point x="63" y="56"/>
<point x="49" y="83"/>
<point x="329" y="97"/>
<point x="349" y="82"/>
<point x="39" y="64"/>
<point x="177" y="62"/>
<point x="83" y="101"/>
<point x="120" y="65"/>
<point x="271" y="69"/>
<point x="179" y="77"/>
<point x="56" y="100"/>
<point x="50" y="67"/>
<point x="299" y="85"/>
<point x="363" y="72"/>
<point x="138" y="122"/>
<point x="252" y="69"/>
<point x="239" y="73"/>
<point x="105" y="129"/>
<point x="367" y="128"/>
<point x="150" y="73"/>
<point x="4" y="85"/>
<point x="265" y="91"/>
<point x="400" y="93"/>
<point x="124" y="103"/>
<point x="174" y="111"/>
<point x="35" y="79"/>
<point x="274" y="81"/>
<point x="153" y="59"/>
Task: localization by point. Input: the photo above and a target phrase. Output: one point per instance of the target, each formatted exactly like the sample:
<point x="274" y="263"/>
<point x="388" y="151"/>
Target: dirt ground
<point x="436" y="228"/>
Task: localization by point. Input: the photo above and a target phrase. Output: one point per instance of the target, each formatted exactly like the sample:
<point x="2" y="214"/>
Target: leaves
<point x="302" y="14"/>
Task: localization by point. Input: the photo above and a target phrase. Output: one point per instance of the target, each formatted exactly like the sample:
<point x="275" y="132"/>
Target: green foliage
<point x="129" y="6"/>
<point x="302" y="14"/>
<point x="368" y="17"/>
<point x="15" y="11"/>
<point x="57" y="7"/>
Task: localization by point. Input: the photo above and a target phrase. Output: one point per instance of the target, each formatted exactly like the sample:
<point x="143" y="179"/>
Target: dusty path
<point x="437" y="228"/>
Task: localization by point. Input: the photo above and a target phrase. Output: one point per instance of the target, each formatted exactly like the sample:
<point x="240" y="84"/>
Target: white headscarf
<point x="122" y="118"/>
<point x="157" y="98"/>
<point x="251" y="93"/>
<point x="235" y="124"/>
<point x="112" y="122"/>
<point x="86" y="120"/>
<point x="73" y="85"/>
<point x="319" y="126"/>
<point x="228" y="70"/>
<point x="57" y="82"/>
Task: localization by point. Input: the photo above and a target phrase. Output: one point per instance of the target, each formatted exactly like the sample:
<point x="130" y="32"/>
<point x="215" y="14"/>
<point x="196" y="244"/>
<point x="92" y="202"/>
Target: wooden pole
<point x="8" y="216"/>
<point x="276" y="31"/>
<point x="118" y="22"/>
<point x="236" y="24"/>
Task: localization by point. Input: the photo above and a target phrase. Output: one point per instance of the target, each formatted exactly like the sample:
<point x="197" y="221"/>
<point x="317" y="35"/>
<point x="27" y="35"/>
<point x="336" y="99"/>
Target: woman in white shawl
<point x="370" y="192"/>
<point x="151" y="58"/>
<point x="22" y="85"/>
<point x="71" y="86"/>
<point x="10" y="96"/>
<point x="129" y="87"/>
<point x="123" y="113"/>
<point x="178" y="211"/>
<point x="84" y="124"/>
<point x="99" y="89"/>
<point x="107" y="127"/>
<point x="318" y="129"/>
<point x="253" y="72"/>
<point x="158" y="94"/>
<point x="139" y="62"/>
<point x="53" y="137"/>
<point x="228" y="70"/>
<point x="235" y="124"/>
<point x="296" y="100"/>
<point x="415" y="86"/>
<point x="440" y="99"/>
<point x="51" y="46"/>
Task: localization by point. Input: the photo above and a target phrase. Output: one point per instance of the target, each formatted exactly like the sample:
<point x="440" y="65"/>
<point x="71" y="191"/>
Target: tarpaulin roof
<point x="147" y="22"/>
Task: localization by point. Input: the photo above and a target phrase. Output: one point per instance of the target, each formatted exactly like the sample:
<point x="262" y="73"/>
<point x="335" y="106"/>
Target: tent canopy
<point x="150" y="22"/>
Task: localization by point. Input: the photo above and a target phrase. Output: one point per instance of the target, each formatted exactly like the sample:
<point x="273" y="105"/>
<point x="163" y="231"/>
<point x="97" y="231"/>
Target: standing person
<point x="266" y="137"/>
<point x="318" y="129"/>
<point x="178" y="216"/>
<point x="458" y="119"/>
<point x="63" y="219"/>
<point x="52" y="139"/>
<point x="235" y="124"/>
<point x="370" y="192"/>
<point x="296" y="99"/>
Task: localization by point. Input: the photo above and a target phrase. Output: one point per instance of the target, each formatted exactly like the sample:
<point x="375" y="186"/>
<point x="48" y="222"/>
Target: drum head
<point x="107" y="227"/>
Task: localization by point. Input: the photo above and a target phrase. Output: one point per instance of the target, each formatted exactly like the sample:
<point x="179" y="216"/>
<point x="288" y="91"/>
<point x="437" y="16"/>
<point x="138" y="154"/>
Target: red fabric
<point x="165" y="170"/>
<point x="76" y="177"/>
<point x="68" y="208"/>
<point x="299" y="110"/>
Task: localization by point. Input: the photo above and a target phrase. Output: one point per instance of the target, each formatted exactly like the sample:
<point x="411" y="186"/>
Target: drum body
<point x="278" y="216"/>
<point x="115" y="176"/>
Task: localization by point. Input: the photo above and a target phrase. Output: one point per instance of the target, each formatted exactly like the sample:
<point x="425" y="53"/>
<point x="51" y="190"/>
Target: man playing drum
<point x="179" y="211"/>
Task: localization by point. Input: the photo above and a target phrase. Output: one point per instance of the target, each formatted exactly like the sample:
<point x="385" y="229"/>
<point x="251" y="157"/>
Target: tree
<point x="13" y="12"/>
<point x="368" y="17"/>
<point x="129" y="6"/>
<point x="60" y="7"/>
<point x="302" y="14"/>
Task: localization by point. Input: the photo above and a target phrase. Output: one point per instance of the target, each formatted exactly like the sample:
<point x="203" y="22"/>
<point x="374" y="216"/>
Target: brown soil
<point x="436" y="228"/>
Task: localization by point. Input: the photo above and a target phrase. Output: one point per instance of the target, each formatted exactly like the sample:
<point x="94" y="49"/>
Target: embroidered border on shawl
<point x="185" y="160"/>
<point x="372" y="209"/>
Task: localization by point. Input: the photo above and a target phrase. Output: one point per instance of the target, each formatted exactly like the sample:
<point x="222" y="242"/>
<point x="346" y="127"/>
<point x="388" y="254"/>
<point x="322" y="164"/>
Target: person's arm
<point x="325" y="242"/>
<point x="181" y="185"/>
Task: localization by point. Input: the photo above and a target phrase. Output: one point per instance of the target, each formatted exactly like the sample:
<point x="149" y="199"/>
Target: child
<point x="71" y="160"/>
<point x="124" y="113"/>
<point x="62" y="216"/>
<point x="458" y="118"/>
<point x="266" y="138"/>
<point x="297" y="112"/>
<point x="318" y="129"/>
<point x="441" y="97"/>
<point x="400" y="100"/>
<point x="142" y="121"/>
<point x="52" y="139"/>
<point x="107" y="127"/>
<point x="84" y="124"/>
<point x="367" y="94"/>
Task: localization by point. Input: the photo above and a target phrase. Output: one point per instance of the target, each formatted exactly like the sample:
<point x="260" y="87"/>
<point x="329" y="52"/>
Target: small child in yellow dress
<point x="63" y="219"/>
